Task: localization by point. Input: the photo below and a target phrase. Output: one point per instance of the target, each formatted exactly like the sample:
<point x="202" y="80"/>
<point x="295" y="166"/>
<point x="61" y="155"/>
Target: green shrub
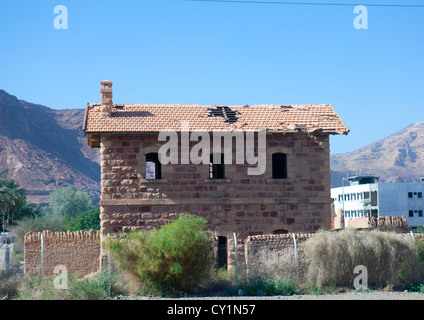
<point x="96" y="287"/>
<point x="415" y="287"/>
<point x="262" y="286"/>
<point x="174" y="259"/>
<point x="221" y="282"/>
<point x="390" y="259"/>
<point x="285" y="287"/>
<point x="320" y="290"/>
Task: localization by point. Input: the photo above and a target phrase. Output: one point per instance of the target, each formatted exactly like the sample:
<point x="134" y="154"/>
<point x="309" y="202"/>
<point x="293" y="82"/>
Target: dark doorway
<point x="222" y="252"/>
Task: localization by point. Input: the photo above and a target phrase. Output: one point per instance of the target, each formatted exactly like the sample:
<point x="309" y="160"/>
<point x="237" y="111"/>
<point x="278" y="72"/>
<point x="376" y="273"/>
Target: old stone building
<point x="291" y="193"/>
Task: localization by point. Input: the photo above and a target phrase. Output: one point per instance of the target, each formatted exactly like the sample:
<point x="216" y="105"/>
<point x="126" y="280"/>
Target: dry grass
<point x="275" y="265"/>
<point x="390" y="259"/>
<point x="9" y="284"/>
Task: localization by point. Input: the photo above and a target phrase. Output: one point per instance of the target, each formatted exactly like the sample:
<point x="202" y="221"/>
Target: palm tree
<point x="12" y="196"/>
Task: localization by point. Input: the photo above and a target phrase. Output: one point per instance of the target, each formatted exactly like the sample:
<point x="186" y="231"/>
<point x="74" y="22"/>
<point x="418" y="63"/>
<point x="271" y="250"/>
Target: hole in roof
<point x="224" y="112"/>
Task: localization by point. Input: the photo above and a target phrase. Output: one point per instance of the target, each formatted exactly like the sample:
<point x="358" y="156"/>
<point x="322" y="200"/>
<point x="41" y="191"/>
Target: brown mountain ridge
<point x="396" y="158"/>
<point x="44" y="149"/>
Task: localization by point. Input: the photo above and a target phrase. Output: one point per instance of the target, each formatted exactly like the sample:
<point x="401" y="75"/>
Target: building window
<point x="420" y="213"/>
<point x="216" y="170"/>
<point x="279" y="166"/>
<point x="153" y="166"/>
<point x="410" y="195"/>
<point x="373" y="198"/>
<point x="280" y="231"/>
<point x="411" y="213"/>
<point x="420" y="195"/>
<point x="366" y="195"/>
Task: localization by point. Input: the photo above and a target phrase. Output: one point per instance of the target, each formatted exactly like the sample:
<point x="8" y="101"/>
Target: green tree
<point x="84" y="221"/>
<point x="68" y="202"/>
<point x="12" y="198"/>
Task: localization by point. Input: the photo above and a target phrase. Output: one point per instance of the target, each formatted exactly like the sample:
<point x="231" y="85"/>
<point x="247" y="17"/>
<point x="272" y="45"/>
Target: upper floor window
<point x="279" y="166"/>
<point x="153" y="166"/>
<point x="412" y="195"/>
<point x="216" y="170"/>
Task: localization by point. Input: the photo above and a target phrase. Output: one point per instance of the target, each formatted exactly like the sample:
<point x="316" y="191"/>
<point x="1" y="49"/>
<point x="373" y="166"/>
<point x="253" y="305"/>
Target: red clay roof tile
<point x="138" y="118"/>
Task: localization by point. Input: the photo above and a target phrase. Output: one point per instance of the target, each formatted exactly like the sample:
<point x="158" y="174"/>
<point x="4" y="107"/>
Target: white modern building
<point x="362" y="196"/>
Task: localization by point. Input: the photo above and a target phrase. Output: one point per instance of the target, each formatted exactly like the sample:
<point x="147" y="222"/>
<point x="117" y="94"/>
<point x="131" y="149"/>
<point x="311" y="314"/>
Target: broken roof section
<point x="143" y="118"/>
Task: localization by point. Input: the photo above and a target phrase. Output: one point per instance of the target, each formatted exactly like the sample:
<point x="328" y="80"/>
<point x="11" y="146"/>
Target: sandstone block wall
<point x="78" y="251"/>
<point x="247" y="205"/>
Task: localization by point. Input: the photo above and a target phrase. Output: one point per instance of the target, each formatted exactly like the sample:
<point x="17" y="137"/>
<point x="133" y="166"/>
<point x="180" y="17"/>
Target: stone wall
<point x="390" y="223"/>
<point x="247" y="205"/>
<point x="78" y="251"/>
<point x="265" y="253"/>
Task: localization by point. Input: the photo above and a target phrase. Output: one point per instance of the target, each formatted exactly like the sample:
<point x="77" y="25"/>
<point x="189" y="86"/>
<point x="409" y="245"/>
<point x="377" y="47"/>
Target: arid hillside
<point x="44" y="149"/>
<point x="397" y="158"/>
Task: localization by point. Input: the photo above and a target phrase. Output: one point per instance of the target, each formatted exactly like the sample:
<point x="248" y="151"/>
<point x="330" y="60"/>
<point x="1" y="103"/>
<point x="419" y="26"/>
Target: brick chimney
<point x="106" y="97"/>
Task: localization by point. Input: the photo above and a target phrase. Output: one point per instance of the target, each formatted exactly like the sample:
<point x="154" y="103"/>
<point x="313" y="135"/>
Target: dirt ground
<point x="351" y="295"/>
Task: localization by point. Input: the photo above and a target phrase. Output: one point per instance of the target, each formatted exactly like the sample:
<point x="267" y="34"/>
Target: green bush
<point x="100" y="286"/>
<point x="415" y="287"/>
<point x="261" y="286"/>
<point x="171" y="260"/>
<point x="314" y="289"/>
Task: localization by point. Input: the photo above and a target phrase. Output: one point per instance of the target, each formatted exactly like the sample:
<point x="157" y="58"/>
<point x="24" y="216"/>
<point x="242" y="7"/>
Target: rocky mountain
<point x="397" y="158"/>
<point x="44" y="149"/>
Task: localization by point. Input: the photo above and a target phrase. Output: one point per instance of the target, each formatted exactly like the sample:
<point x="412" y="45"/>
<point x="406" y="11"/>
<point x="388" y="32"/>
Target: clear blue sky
<point x="178" y="51"/>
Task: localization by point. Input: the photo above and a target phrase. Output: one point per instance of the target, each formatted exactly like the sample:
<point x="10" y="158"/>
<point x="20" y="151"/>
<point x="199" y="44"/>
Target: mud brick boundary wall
<point x="390" y="223"/>
<point x="79" y="251"/>
<point x="261" y="248"/>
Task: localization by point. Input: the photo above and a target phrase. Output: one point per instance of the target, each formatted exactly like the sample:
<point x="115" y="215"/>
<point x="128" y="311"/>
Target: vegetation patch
<point x="172" y="260"/>
<point x="390" y="259"/>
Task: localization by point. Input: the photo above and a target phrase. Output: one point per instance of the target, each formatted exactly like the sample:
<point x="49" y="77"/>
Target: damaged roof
<point x="143" y="118"/>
